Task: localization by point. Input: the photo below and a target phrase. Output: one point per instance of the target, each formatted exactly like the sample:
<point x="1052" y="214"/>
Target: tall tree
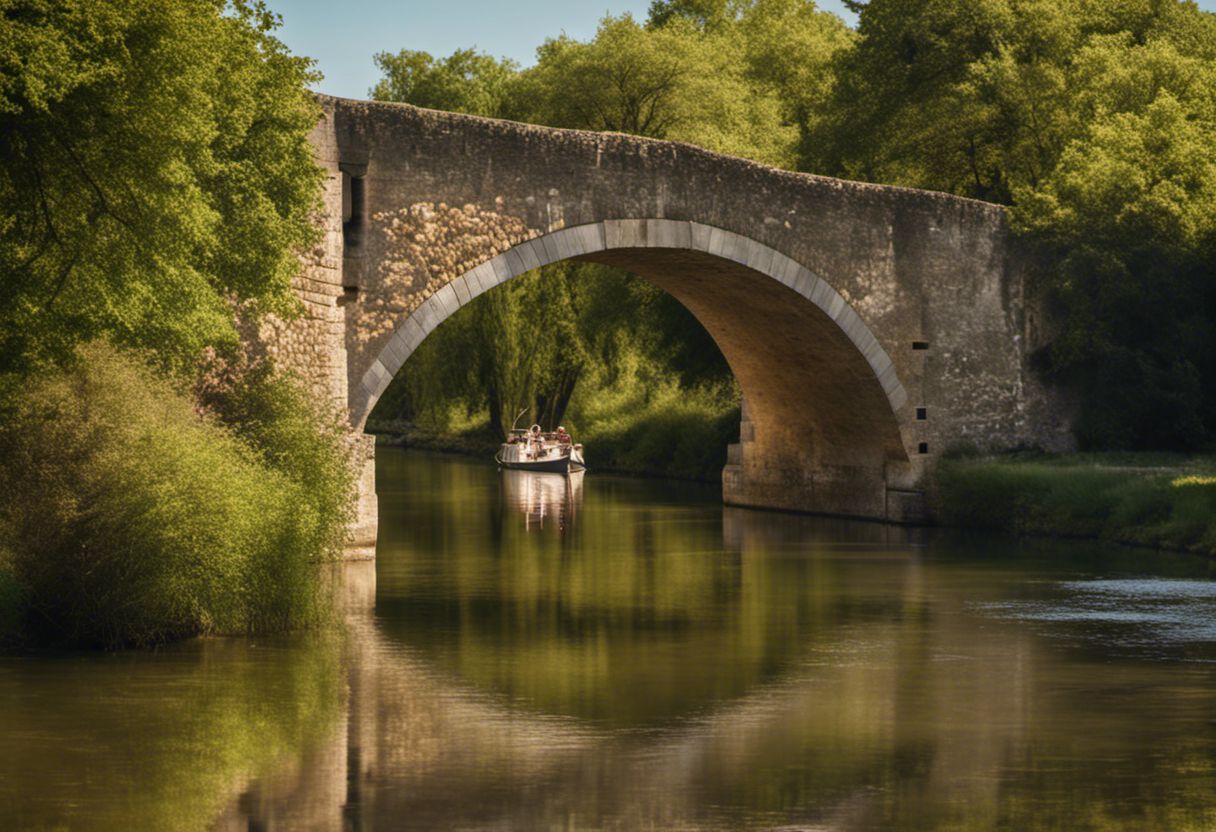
<point x="466" y="81"/>
<point x="675" y="81"/>
<point x="154" y="168"/>
<point x="704" y="14"/>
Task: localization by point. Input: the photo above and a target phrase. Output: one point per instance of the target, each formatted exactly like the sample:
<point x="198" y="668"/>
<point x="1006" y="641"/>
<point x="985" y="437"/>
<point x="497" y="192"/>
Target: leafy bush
<point x="272" y="413"/>
<point x="674" y="432"/>
<point x="1074" y="497"/>
<point x="132" y="519"/>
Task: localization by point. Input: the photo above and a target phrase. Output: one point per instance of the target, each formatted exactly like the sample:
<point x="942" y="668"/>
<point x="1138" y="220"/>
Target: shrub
<point x="133" y="519"/>
<point x="663" y="428"/>
<point x="1075" y="497"/>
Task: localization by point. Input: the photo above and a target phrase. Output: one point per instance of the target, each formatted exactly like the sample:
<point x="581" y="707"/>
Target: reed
<point x="129" y="518"/>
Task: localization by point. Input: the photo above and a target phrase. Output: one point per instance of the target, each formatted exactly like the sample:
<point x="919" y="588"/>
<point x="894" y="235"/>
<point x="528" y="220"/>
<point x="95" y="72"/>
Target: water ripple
<point x="1129" y="612"/>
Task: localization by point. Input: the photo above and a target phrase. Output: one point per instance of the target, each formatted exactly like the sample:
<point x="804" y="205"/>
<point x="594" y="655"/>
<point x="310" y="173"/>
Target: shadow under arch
<point x="822" y="399"/>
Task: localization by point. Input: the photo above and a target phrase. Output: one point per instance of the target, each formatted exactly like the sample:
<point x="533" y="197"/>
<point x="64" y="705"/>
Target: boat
<point x="535" y="450"/>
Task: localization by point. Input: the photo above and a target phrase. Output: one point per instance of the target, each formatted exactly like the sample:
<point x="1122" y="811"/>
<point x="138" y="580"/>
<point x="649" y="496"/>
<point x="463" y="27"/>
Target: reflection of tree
<point x="916" y="721"/>
<point x="636" y="617"/>
<point x="160" y="741"/>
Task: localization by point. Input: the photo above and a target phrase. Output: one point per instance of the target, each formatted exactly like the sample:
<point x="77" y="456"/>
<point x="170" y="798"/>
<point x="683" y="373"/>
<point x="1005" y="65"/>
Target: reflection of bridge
<point x="869" y="327"/>
<point x="850" y="715"/>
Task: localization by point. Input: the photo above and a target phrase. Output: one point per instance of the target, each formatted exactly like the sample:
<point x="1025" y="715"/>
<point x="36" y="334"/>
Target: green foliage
<point x="671" y="82"/>
<point x="791" y="48"/>
<point x="466" y="81"/>
<point x="658" y="427"/>
<point x="521" y="348"/>
<point x="1130" y="210"/>
<point x="131" y="519"/>
<point x="273" y="414"/>
<point x="154" y="167"/>
<point x="155" y="176"/>
<point x="1145" y="505"/>
<point x="704" y="14"/>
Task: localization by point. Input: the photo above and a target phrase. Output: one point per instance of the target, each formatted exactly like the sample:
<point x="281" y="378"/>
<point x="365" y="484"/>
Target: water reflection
<point x="670" y="664"/>
<point x="163" y="740"/>
<point x="552" y="499"/>
<point x="660" y="664"/>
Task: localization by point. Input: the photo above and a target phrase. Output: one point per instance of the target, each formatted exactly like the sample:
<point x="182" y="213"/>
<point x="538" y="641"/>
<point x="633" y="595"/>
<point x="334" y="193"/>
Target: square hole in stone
<point x="922" y="413"/>
<point x="920" y="345"/>
<point x="922" y="448"/>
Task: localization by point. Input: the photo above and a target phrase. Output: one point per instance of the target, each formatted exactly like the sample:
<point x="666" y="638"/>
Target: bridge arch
<point x="870" y="327"/>
<point x="823" y="397"/>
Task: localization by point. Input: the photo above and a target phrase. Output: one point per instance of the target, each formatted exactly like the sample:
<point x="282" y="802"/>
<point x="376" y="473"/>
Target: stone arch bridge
<point x="870" y="328"/>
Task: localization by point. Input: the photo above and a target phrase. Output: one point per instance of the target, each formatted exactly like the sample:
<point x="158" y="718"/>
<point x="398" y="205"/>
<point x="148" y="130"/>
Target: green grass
<point x="1156" y="500"/>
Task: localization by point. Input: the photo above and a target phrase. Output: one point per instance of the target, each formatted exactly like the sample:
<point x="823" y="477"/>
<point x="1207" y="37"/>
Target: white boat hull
<point x="554" y="459"/>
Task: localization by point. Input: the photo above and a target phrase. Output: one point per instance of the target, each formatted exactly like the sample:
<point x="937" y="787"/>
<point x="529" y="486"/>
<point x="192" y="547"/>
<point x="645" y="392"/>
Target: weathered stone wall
<point x="820" y="292"/>
<point x="313" y="345"/>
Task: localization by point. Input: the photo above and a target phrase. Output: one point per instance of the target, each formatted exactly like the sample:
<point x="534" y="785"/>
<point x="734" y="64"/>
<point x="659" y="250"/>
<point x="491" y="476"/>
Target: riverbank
<point x="1159" y="500"/>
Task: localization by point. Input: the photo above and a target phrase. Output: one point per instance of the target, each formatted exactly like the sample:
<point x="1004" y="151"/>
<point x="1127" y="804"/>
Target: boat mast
<point x="521" y="413"/>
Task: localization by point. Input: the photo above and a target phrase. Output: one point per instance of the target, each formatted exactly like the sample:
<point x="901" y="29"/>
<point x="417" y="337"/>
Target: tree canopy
<point x="154" y="170"/>
<point x="465" y="82"/>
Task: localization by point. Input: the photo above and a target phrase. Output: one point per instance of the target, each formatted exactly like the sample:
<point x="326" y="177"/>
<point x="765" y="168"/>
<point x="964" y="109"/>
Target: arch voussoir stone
<point x="614" y="234"/>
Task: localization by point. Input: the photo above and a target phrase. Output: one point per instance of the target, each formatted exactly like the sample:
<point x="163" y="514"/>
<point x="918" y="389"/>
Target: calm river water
<point x="534" y="653"/>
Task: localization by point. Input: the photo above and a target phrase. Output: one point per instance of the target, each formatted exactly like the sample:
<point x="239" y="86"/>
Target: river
<point x="530" y="652"/>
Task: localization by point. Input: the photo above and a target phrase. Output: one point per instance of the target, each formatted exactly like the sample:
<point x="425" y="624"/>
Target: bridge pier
<point x="365" y="523"/>
<point x="786" y="479"/>
<point x="855" y="493"/>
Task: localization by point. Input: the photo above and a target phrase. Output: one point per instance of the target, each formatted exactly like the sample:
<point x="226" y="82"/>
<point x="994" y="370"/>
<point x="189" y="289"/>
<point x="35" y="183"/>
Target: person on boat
<point x="536" y="442"/>
<point x="562" y="436"/>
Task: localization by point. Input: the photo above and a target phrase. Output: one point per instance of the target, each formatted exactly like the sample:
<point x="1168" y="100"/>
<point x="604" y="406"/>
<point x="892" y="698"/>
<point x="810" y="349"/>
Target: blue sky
<point x="342" y="35"/>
